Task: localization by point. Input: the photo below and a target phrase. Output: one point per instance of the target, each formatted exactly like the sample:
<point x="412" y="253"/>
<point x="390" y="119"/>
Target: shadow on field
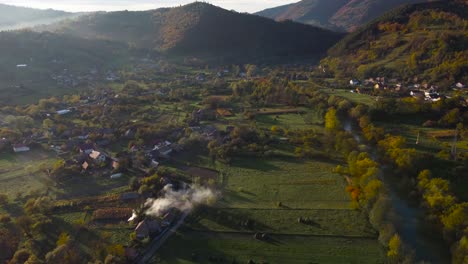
<point x="235" y="196"/>
<point x="225" y="218"/>
<point x="255" y="164"/>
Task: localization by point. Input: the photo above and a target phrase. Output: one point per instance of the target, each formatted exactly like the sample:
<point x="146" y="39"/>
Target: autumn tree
<point x="331" y="119"/>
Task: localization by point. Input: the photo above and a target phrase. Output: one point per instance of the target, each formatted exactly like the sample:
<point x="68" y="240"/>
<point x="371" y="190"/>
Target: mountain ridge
<point x="201" y="28"/>
<point x="343" y="15"/>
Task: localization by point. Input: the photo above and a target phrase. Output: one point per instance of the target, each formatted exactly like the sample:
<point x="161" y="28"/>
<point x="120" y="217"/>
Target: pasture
<point x="270" y="196"/>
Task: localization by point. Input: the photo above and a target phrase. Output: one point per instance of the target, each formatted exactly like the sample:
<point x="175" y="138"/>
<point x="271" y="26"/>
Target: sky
<point x="114" y="5"/>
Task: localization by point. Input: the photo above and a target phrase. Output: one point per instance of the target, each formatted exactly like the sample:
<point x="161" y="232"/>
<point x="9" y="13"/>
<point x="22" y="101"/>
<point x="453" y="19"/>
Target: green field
<point x="272" y="195"/>
<point x="198" y="247"/>
<point x="353" y="97"/>
<point x="20" y="175"/>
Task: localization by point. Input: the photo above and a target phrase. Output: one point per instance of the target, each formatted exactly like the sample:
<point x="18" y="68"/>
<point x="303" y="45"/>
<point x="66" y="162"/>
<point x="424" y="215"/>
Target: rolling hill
<point x="29" y="61"/>
<point x="345" y="15"/>
<point x="203" y="29"/>
<point x="426" y="40"/>
<point x="15" y="17"/>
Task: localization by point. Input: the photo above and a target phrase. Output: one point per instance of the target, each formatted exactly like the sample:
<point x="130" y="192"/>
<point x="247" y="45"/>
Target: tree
<point x="64" y="254"/>
<point x="460" y="251"/>
<point x="63" y="239"/>
<point x="331" y="119"/>
<point x="395" y="248"/>
<point x="20" y="257"/>
<point x="47" y="123"/>
<point x="133" y="183"/>
<point x="456" y="220"/>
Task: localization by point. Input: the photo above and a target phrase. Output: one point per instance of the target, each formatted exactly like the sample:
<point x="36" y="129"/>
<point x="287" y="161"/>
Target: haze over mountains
<point x="343" y="15"/>
<point x="14" y="17"/>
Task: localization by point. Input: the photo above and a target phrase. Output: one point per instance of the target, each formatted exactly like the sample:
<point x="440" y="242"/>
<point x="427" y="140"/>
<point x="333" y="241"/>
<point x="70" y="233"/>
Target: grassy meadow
<point x="272" y="194"/>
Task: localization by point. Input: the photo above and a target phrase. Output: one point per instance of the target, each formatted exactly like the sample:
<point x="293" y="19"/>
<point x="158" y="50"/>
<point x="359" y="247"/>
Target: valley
<point x="195" y="134"/>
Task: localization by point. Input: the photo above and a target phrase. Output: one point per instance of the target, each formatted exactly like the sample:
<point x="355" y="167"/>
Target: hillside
<point x="35" y="65"/>
<point x="14" y="17"/>
<point x="203" y="29"/>
<point x="425" y="40"/>
<point x="344" y="15"/>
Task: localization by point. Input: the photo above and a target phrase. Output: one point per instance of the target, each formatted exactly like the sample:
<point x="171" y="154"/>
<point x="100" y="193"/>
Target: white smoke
<point x="184" y="199"/>
<point x="134" y="216"/>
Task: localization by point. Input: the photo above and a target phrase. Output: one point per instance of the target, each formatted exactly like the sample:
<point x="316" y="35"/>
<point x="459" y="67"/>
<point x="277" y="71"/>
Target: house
<point x="224" y="112"/>
<point x="146" y="228"/>
<point x="85" y="165"/>
<point x="63" y="112"/>
<point x="154" y="164"/>
<point x="116" y="176"/>
<point x="417" y="94"/>
<point x="115" y="164"/>
<point x="86" y="148"/>
<point x="20" y="148"/>
<point x="354" y="82"/>
<point x="97" y="156"/>
<point x="164" y="148"/>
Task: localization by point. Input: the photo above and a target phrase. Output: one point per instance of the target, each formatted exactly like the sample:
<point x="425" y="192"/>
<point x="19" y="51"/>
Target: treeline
<point x="445" y="210"/>
<point x="441" y="204"/>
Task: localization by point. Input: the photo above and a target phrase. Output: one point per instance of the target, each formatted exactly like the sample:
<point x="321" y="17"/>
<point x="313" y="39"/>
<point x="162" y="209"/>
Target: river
<point x="410" y="219"/>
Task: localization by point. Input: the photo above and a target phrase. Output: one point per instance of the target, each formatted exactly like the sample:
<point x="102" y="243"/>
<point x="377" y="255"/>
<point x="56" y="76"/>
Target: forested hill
<point x="45" y="52"/>
<point x="12" y="17"/>
<point x="201" y="28"/>
<point x="423" y="40"/>
<point x="345" y="15"/>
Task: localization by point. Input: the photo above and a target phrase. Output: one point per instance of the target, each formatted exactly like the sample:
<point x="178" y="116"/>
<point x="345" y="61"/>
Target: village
<point x="420" y="91"/>
<point x="128" y="138"/>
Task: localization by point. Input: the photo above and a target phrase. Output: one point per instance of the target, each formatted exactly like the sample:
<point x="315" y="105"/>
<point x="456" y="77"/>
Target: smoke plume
<point x="184" y="199"/>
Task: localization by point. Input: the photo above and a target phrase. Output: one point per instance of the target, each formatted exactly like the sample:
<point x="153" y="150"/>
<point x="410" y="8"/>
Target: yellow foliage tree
<point x="331" y="119"/>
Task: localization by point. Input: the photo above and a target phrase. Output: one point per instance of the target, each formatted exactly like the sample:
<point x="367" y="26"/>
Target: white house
<point x="63" y="112"/>
<point x="20" y="148"/>
<point x="116" y="176"/>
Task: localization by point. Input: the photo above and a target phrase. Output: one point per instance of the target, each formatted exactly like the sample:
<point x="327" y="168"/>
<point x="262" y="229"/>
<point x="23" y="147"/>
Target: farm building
<point x="20" y="148"/>
<point x="63" y="112"/>
<point x="146" y="228"/>
<point x="116" y="176"/>
<point x="224" y="112"/>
